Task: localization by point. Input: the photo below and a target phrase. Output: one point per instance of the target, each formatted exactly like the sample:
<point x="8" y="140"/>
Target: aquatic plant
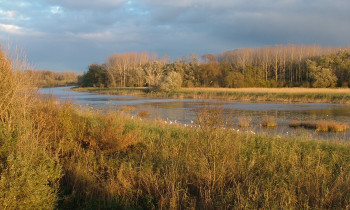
<point x="269" y="121"/>
<point x="127" y="108"/>
<point x="244" y="121"/>
<point x="333" y="95"/>
<point x="143" y="114"/>
<point x="321" y="126"/>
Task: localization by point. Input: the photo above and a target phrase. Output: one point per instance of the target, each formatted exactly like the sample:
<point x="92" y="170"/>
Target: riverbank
<point x="136" y="163"/>
<point x="308" y="95"/>
<point x="110" y="160"/>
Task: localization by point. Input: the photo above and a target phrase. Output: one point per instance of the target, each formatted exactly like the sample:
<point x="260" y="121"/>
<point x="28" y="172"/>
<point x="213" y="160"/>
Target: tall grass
<point x="56" y="156"/>
<point x="321" y="126"/>
<point x="339" y="95"/>
<point x="161" y="166"/>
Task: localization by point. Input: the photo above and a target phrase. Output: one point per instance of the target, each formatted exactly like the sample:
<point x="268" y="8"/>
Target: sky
<point x="72" y="34"/>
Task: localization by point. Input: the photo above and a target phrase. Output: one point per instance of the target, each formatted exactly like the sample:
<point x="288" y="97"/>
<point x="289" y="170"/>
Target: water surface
<point x="185" y="111"/>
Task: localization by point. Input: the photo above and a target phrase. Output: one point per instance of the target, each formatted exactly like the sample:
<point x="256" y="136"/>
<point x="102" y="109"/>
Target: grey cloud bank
<point x="70" y="35"/>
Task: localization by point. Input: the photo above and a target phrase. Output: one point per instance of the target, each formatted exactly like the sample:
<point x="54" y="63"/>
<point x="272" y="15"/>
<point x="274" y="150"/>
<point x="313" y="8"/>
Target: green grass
<point x="245" y="94"/>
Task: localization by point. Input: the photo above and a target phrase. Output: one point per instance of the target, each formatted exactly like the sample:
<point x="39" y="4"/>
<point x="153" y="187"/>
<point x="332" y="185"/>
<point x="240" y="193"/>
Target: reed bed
<point x="272" y="90"/>
<point x="328" y="95"/>
<point x="321" y="126"/>
<point x="113" y="91"/>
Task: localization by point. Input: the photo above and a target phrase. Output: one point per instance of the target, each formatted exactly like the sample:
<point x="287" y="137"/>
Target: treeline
<point x="277" y="66"/>
<point x="47" y="78"/>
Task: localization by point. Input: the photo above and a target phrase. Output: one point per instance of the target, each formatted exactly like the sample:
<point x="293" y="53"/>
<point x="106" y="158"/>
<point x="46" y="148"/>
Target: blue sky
<point x="71" y="34"/>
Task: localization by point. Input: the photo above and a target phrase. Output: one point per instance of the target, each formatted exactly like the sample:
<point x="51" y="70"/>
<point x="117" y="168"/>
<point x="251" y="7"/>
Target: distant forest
<point x="277" y="66"/>
<point x="47" y="78"/>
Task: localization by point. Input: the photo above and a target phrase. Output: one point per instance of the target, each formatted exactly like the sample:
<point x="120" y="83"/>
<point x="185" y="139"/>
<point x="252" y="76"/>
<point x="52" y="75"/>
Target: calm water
<point x="185" y="111"/>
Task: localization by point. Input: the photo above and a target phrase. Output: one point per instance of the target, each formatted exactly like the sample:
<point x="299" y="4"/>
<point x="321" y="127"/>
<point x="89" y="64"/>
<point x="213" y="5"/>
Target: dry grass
<point x="332" y="95"/>
<point x="127" y="108"/>
<point x="294" y="123"/>
<point x="143" y="114"/>
<point x="331" y="126"/>
<point x="321" y="126"/>
<point x="89" y="160"/>
<point x="269" y="121"/>
<point x="271" y="90"/>
<point x="244" y="121"/>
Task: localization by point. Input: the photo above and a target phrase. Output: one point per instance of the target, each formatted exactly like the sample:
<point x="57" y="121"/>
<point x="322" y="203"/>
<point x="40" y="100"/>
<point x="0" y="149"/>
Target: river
<point x="185" y="111"/>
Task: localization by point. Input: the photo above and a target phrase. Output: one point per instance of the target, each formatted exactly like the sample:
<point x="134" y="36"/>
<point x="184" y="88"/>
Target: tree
<point x="235" y="80"/>
<point x="95" y="77"/>
<point x="321" y="77"/>
<point x="170" y="82"/>
<point x="153" y="72"/>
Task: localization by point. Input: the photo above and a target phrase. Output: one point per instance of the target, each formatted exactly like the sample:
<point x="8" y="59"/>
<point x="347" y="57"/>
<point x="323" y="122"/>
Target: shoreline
<point x="286" y="95"/>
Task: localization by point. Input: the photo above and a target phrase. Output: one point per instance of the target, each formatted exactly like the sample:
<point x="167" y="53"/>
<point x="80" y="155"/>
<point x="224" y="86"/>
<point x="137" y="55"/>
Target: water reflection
<point x="185" y="111"/>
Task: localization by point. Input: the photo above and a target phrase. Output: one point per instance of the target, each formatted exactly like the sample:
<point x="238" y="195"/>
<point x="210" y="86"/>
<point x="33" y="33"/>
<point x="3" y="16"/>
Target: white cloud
<point x="12" y="29"/>
<point x="56" y="10"/>
<point x="18" y="30"/>
<point x="7" y="15"/>
<point x="88" y="4"/>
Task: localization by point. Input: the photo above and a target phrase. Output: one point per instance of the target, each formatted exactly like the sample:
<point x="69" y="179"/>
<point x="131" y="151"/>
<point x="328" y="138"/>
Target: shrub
<point x="29" y="172"/>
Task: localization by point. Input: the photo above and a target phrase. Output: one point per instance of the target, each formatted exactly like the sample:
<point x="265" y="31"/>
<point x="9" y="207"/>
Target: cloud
<point x="88" y="4"/>
<point x="17" y="30"/>
<point x="7" y="15"/>
<point x="11" y="29"/>
<point x="79" y="32"/>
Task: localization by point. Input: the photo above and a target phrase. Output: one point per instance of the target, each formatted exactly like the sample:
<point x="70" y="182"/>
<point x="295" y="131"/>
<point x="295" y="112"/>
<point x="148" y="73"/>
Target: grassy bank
<point x="58" y="156"/>
<point x="113" y="161"/>
<point x="244" y="94"/>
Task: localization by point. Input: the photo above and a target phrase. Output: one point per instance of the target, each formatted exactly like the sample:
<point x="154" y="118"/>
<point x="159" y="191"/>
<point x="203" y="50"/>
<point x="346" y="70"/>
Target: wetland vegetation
<point x="55" y="155"/>
<point x="326" y="95"/>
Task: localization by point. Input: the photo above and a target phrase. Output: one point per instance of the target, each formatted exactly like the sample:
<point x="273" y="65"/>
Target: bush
<point x="29" y="172"/>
